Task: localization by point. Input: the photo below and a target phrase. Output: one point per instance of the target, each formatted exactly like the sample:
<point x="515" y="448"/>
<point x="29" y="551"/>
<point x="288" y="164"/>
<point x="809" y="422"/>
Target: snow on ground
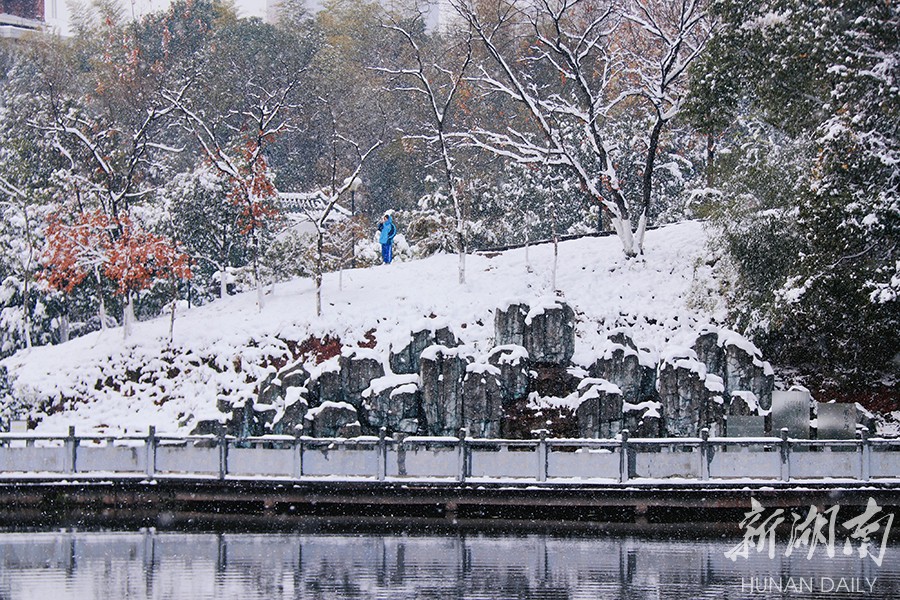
<point x="102" y="383"/>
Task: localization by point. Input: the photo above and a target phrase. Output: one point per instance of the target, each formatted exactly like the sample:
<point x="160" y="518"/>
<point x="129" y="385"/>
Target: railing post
<point x="382" y="453"/>
<point x="223" y="455"/>
<point x="298" y="455"/>
<point x="865" y="454"/>
<point x="71" y="448"/>
<point x="785" y="455"/>
<point x="705" y="455"/>
<point x="542" y="455"/>
<point x="462" y="456"/>
<point x="624" y="462"/>
<point x="150" y="458"/>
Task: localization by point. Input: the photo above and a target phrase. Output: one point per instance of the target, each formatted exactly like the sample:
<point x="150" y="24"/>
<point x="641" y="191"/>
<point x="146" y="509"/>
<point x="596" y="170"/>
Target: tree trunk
<point x="63" y="328"/>
<point x="258" y="278"/>
<point x="223" y="281"/>
<point x="174" y="302"/>
<point x="462" y="255"/>
<point x="26" y="323"/>
<point x="639" y="233"/>
<point x="623" y="230"/>
<point x="555" y="260"/>
<point x="128" y="315"/>
<point x="100" y="298"/>
<point x="647" y="187"/>
<point x="527" y="259"/>
<point x="319" y="268"/>
<point x="172" y="324"/>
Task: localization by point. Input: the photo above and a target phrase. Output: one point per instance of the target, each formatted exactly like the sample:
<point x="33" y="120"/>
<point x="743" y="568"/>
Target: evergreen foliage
<point x="805" y="103"/>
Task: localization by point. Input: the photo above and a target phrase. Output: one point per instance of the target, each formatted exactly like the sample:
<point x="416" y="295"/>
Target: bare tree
<point x="437" y="78"/>
<point x="235" y="105"/>
<point x="568" y="63"/>
<point x="336" y="188"/>
<point x="110" y="137"/>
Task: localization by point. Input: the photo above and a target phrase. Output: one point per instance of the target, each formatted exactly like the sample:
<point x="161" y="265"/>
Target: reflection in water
<point x="149" y="564"/>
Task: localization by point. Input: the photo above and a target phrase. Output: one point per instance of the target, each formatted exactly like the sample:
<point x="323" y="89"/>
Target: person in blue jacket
<point x="388" y="231"/>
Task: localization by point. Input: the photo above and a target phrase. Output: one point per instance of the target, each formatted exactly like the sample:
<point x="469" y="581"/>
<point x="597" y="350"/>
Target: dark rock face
<point x="290" y="418"/>
<point x="600" y="413"/>
<point x="482" y="400"/>
<point x="434" y="386"/>
<point x="210" y="427"/>
<point x="443" y="371"/>
<point x="744" y="371"/>
<point x="710" y="353"/>
<point x="512" y="363"/>
<point x="621" y="365"/>
<point x="683" y="395"/>
<point x="509" y="325"/>
<point x="280" y="405"/>
<point x="334" y="419"/>
<point x="742" y="404"/>
<point x="738" y="363"/>
<point x="359" y="366"/>
<point x="392" y="402"/>
<point x="293" y="376"/>
<point x="643" y="422"/>
<point x="292" y="402"/>
<point x="325" y="384"/>
<point x="714" y="416"/>
<point x="406" y="359"/>
<point x="550" y="335"/>
<point x="245" y="421"/>
<point x="553" y="380"/>
<point x="270" y="390"/>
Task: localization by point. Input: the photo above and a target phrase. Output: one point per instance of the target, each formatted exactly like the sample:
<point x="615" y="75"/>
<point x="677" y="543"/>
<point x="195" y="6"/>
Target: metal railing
<point x="461" y="458"/>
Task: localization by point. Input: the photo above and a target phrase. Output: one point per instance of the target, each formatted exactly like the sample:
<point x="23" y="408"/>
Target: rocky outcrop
<point x="442" y="373"/>
<point x="291" y="416"/>
<point x="683" y="394"/>
<point x="509" y="325"/>
<point x="358" y="367"/>
<point x="599" y="413"/>
<point x="392" y="402"/>
<point x="333" y="419"/>
<point x="643" y="420"/>
<point x="405" y="359"/>
<point x="744" y="370"/>
<point x="738" y="363"/>
<point x="293" y="376"/>
<point x="622" y="365"/>
<point x="429" y="384"/>
<point x="325" y="382"/>
<point x="482" y="400"/>
<point x="511" y="361"/>
<point x="549" y="335"/>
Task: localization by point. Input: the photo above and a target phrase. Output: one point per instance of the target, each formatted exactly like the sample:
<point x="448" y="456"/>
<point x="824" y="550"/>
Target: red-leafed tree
<point x="254" y="194"/>
<point x="116" y="248"/>
<point x="245" y="96"/>
<point x="74" y="251"/>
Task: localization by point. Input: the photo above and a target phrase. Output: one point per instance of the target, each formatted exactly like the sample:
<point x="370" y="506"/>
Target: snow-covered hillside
<point x="105" y="384"/>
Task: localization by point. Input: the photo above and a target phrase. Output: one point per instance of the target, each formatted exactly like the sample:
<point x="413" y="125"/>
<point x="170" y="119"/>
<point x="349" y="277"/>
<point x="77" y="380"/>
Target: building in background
<point x="21" y="17"/>
<point x="18" y="17"/>
<point x="438" y="14"/>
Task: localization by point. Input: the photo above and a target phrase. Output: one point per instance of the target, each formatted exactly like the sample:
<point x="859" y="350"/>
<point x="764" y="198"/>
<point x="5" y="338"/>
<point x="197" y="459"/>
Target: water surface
<point x="149" y="564"/>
